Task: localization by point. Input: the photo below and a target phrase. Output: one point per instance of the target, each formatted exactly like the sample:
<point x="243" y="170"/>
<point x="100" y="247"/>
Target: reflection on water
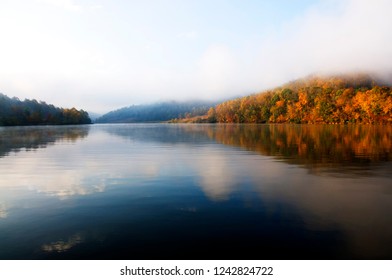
<point x="63" y="246"/>
<point x="14" y="139"/>
<point x="315" y="146"/>
<point x="56" y="171"/>
<point x="3" y="211"/>
<point x="196" y="191"/>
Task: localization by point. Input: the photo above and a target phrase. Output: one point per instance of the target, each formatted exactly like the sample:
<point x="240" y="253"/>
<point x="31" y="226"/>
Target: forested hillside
<point x="342" y="99"/>
<point x="31" y="112"/>
<point x="156" y="112"/>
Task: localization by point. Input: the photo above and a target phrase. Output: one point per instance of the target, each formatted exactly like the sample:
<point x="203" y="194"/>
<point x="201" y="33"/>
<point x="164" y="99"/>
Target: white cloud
<point x="348" y="36"/>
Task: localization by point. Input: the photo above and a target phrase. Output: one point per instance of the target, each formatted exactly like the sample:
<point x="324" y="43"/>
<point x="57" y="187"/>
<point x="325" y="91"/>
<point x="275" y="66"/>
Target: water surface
<point x="164" y="191"/>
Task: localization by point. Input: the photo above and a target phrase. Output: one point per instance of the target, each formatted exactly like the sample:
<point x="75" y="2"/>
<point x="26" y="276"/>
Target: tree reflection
<point x="314" y="146"/>
<point x="15" y="139"/>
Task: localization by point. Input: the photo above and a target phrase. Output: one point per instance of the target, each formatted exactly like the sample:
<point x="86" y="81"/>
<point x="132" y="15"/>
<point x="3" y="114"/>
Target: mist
<point x="105" y="56"/>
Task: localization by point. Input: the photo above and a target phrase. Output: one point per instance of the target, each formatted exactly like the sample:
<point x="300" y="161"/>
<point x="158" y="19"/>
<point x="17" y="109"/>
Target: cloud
<point x="331" y="37"/>
<point x="100" y="58"/>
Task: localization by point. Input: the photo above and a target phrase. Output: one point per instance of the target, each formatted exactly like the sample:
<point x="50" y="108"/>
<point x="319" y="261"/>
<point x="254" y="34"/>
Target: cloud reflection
<point x="62" y="246"/>
<point x="272" y="164"/>
<point x="359" y="207"/>
<point x="216" y="178"/>
<point x="329" y="194"/>
<point x="50" y="175"/>
<point x="3" y="211"/>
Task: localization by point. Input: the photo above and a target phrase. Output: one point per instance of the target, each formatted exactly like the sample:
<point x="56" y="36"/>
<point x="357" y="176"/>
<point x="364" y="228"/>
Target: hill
<point x="357" y="98"/>
<point x="156" y="112"/>
<point x="31" y="112"/>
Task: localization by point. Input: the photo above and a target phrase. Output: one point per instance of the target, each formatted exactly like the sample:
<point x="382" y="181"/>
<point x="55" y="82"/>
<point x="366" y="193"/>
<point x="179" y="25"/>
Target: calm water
<point x="160" y="191"/>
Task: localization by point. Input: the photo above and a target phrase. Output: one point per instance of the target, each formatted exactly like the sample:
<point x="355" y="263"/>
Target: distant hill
<point x="31" y="112"/>
<point x="156" y="112"/>
<point x="359" y="98"/>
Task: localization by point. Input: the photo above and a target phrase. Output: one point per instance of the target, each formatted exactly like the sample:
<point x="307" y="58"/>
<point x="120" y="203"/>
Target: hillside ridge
<point x="355" y="98"/>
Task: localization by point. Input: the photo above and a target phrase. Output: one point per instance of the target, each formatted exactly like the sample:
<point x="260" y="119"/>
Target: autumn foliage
<point x="356" y="99"/>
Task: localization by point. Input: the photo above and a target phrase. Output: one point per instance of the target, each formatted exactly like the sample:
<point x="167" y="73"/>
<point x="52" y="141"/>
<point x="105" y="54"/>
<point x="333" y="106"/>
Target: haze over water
<point x="160" y="191"/>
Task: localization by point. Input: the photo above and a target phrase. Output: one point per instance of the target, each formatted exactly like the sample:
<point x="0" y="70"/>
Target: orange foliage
<point x="334" y="100"/>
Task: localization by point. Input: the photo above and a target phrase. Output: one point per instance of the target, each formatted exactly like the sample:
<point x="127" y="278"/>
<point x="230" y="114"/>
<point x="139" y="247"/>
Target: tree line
<point x="15" y="112"/>
<point x="357" y="99"/>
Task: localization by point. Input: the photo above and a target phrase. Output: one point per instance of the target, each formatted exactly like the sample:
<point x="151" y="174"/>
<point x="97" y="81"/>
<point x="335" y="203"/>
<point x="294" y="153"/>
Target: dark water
<point x="160" y="191"/>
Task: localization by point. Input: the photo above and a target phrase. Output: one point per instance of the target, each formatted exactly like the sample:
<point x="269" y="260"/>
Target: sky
<point x="107" y="54"/>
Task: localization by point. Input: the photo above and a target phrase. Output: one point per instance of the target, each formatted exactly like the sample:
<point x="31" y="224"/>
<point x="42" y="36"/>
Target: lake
<point x="196" y="191"/>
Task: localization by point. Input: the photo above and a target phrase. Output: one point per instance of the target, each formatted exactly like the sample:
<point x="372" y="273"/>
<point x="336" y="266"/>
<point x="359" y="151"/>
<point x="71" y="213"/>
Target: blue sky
<point x="102" y="55"/>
